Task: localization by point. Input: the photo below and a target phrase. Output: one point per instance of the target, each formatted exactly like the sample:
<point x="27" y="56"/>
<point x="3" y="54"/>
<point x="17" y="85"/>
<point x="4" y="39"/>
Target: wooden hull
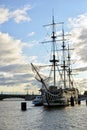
<point x="64" y="99"/>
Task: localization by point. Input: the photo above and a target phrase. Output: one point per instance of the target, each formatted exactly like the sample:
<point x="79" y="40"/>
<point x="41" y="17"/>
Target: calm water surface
<point x="41" y="118"/>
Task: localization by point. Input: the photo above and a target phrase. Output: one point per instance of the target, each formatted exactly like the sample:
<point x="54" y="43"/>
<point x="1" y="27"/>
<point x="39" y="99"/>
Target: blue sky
<point x="21" y="31"/>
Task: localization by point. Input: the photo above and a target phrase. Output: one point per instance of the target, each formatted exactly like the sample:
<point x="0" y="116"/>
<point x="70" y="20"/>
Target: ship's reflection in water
<point x="42" y="118"/>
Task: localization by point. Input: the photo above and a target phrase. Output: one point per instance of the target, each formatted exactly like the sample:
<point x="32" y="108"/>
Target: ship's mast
<point x="69" y="70"/>
<point x="53" y="37"/>
<point x="54" y="57"/>
<point x="64" y="60"/>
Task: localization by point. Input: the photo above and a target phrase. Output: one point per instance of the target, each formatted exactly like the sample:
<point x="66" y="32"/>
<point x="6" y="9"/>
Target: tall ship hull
<point x="58" y="87"/>
<point x="60" y="97"/>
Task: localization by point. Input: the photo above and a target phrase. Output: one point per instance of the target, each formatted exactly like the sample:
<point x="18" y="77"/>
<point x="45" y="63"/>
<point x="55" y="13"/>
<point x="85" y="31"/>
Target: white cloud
<point x="10" y="50"/>
<point x="79" y="37"/>
<point x="82" y="84"/>
<point x="33" y="58"/>
<point x="21" y="15"/>
<point x="13" y="68"/>
<point x="31" y="34"/>
<point x="18" y="15"/>
<point x="79" y="21"/>
<point x="31" y="44"/>
<point x="4" y="15"/>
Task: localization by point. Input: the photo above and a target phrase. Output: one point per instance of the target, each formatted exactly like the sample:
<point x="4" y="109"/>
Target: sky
<point x="21" y="32"/>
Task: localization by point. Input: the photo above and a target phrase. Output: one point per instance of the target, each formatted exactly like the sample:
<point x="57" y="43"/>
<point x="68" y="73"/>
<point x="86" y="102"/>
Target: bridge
<point x="32" y="96"/>
<point x="26" y="96"/>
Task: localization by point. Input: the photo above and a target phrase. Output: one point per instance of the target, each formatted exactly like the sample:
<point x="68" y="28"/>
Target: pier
<point x="82" y="97"/>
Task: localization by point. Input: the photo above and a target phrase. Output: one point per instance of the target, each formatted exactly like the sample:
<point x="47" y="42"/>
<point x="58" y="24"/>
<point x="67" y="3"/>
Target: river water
<point x="41" y="118"/>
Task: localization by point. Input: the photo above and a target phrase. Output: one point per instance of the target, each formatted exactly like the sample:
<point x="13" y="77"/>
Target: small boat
<point x="37" y="101"/>
<point x="58" y="87"/>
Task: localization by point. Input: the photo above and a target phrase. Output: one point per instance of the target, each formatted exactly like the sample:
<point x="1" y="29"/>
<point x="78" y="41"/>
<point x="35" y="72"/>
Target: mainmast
<point x="64" y="60"/>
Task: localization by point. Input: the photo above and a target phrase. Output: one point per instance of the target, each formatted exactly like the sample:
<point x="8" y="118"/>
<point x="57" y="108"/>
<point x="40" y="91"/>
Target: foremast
<point x="54" y="60"/>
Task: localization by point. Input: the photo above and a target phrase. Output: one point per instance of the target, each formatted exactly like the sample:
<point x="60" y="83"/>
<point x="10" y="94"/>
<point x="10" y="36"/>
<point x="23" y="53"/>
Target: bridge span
<point x="32" y="96"/>
<point x="26" y="96"/>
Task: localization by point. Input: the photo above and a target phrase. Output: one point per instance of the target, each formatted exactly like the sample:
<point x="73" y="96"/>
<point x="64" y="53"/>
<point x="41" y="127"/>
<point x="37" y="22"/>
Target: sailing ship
<point x="58" y="88"/>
